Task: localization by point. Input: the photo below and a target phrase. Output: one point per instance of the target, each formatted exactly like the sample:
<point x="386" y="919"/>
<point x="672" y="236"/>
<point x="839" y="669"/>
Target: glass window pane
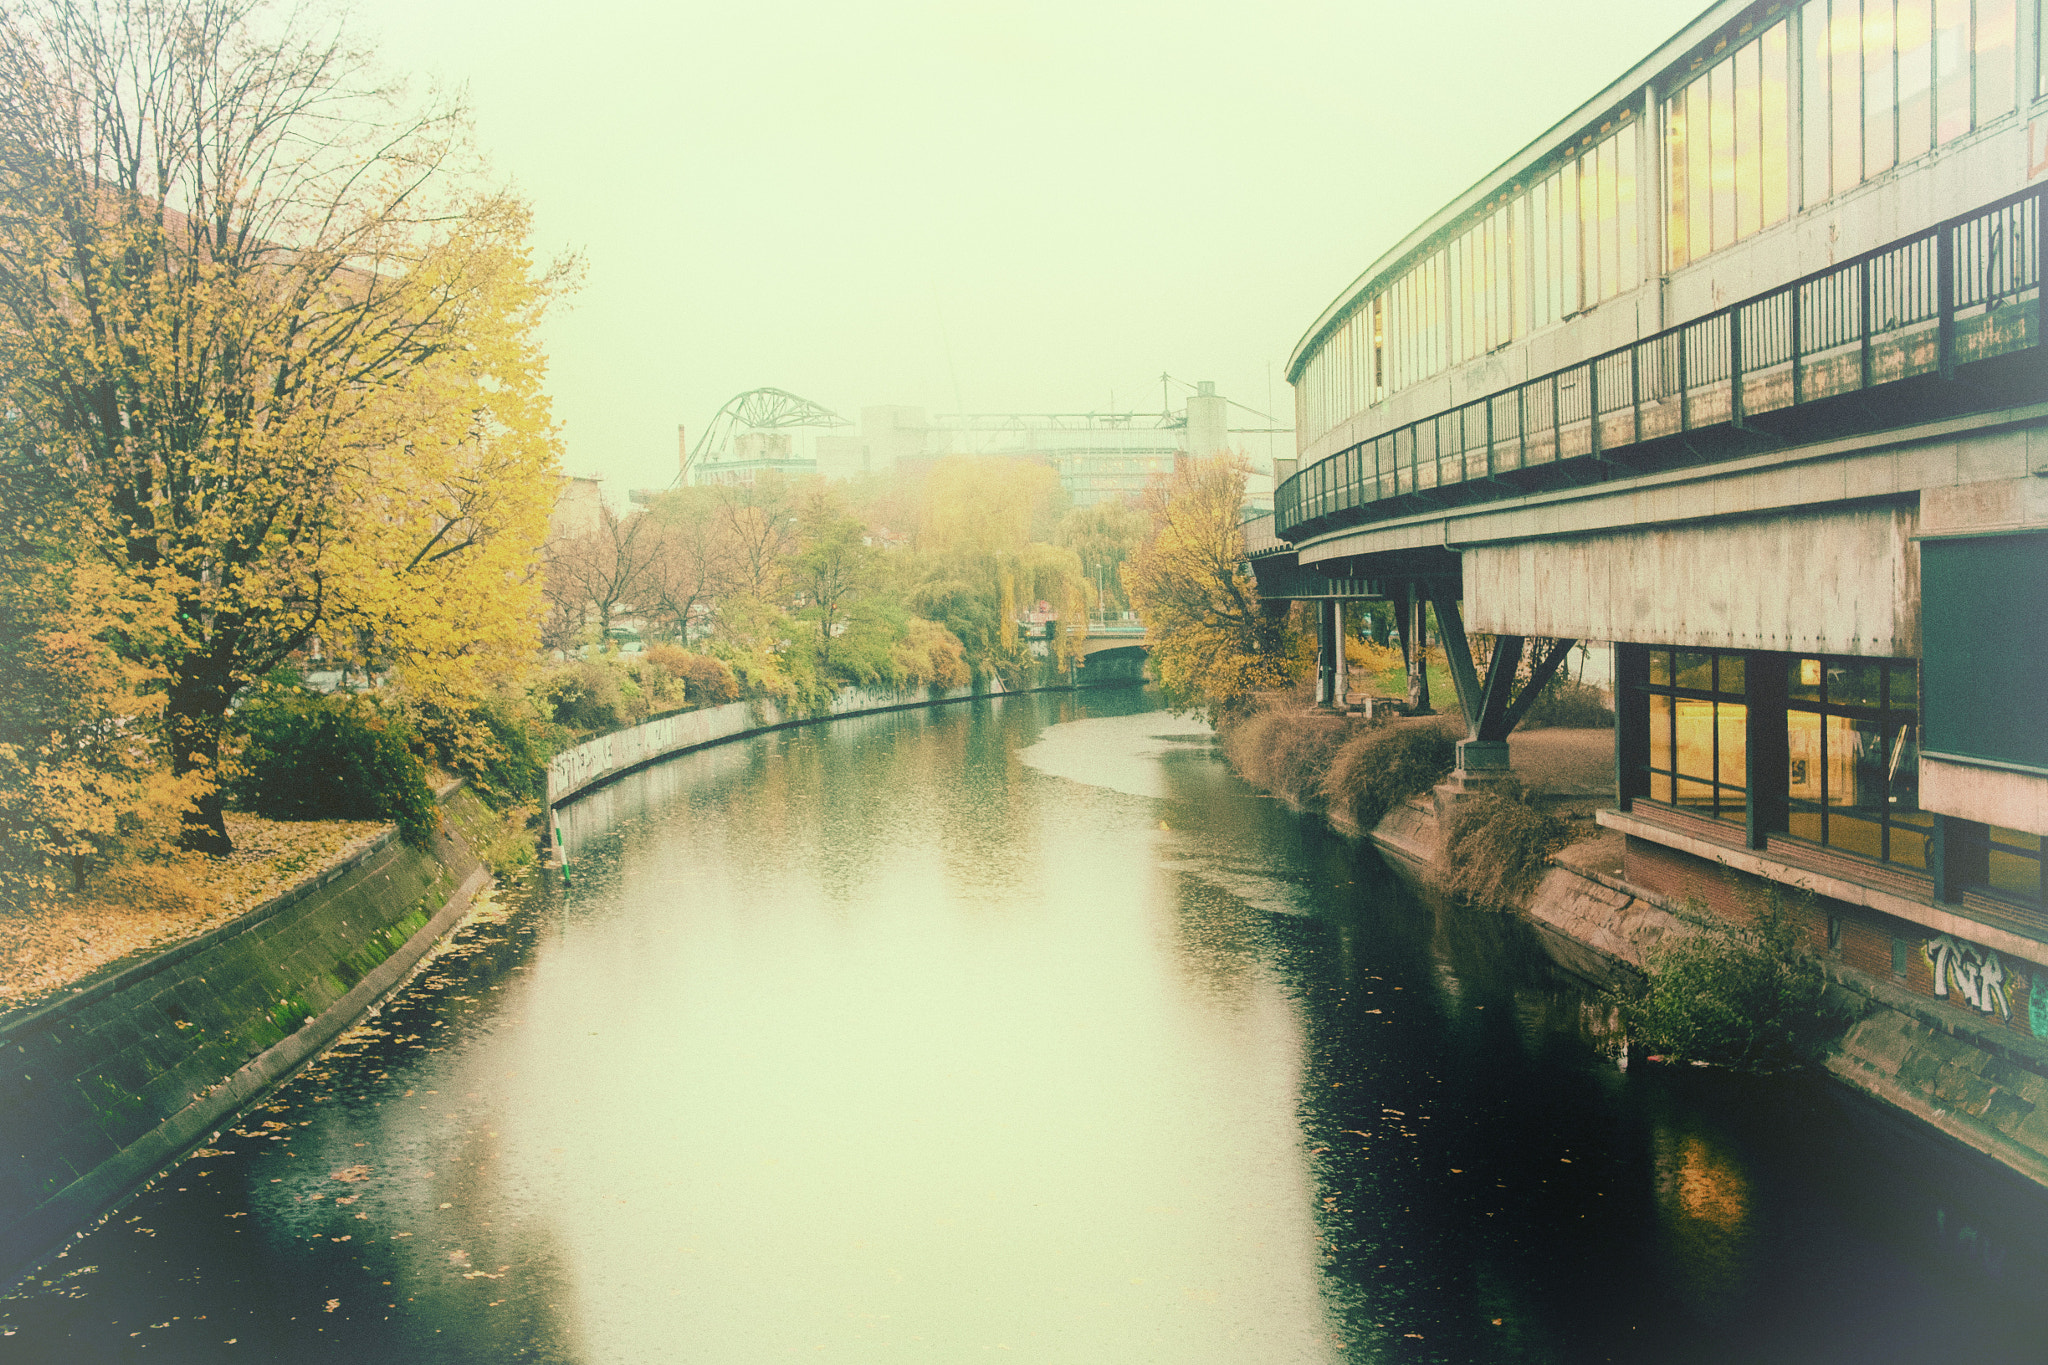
<point x="1905" y="682"/>
<point x="1589" y="229"/>
<point x="1804" y="824"/>
<point x="1660" y="732"/>
<point x="1731" y="727"/>
<point x="1879" y="129"/>
<point x="1815" y="157"/>
<point x="1610" y="228"/>
<point x="1696" y="669"/>
<point x="1802" y="679"/>
<point x="1699" y="171"/>
<point x="1699" y="796"/>
<point x="1845" y="77"/>
<point x="1695" y="753"/>
<point x="1855" y="834"/>
<point x="1908" y="839"/>
<point x="1721" y="118"/>
<point x="1749" y="130"/>
<point x="1674" y="174"/>
<point x="1997" y="48"/>
<point x="2015" y="874"/>
<point x="1728" y="672"/>
<point x="1625" y="207"/>
<point x="1915" y="29"/>
<point x="1853" y="682"/>
<point x="1777" y="127"/>
<point x="1803" y="741"/>
<point x="1660" y="666"/>
<point x="1951" y="69"/>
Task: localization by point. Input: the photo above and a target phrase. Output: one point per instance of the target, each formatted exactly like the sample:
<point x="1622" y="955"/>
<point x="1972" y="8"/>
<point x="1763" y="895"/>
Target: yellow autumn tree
<point x="270" y="337"/>
<point x="1214" y="644"/>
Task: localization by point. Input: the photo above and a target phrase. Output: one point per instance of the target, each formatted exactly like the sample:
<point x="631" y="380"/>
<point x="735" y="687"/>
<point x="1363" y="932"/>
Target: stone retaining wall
<point x="107" y="1084"/>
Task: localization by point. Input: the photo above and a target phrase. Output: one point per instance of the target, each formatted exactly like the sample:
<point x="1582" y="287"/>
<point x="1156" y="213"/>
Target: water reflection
<point x="1021" y="1025"/>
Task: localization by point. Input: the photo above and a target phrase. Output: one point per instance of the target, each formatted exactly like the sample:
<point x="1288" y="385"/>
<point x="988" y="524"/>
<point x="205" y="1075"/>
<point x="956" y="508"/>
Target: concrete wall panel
<point x="1836" y="582"/>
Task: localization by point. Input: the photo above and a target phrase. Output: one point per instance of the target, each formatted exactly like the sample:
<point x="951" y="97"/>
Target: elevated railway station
<point x="1741" y="369"/>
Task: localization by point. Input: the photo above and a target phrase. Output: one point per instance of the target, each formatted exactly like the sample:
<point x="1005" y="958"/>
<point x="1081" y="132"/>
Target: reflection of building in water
<point x="1704" y="1227"/>
<point x="1739" y="369"/>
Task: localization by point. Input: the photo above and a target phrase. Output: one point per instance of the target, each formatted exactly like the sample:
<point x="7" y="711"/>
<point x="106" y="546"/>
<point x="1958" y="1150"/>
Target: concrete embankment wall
<point x="103" y="1086"/>
<point x="1974" y="1069"/>
<point x="597" y="761"/>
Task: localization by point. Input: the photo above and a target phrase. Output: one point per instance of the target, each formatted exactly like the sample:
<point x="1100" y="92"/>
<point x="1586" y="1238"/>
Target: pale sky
<point x="974" y="206"/>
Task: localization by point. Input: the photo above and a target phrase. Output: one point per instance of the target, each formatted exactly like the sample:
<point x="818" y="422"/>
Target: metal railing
<point x="1947" y="296"/>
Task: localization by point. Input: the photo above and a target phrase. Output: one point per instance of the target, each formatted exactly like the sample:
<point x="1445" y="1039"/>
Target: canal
<point x="1022" y="1030"/>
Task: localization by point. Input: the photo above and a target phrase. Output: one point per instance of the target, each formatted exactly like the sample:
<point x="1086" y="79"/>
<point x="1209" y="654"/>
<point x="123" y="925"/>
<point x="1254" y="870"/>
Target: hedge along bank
<point x="109" y="1083"/>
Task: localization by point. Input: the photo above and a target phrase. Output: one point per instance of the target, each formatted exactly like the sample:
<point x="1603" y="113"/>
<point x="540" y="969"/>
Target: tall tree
<point x="224" y="248"/>
<point x="694" y="562"/>
<point x="1214" y="644"/>
<point x="834" y="567"/>
<point x="593" y="574"/>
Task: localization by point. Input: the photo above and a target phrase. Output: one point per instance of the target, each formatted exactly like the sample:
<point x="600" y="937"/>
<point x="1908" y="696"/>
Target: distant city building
<point x="751" y="455"/>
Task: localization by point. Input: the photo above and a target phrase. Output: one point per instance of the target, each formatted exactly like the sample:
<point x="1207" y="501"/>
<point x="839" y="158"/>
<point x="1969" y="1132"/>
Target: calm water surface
<point x="1021" y="1030"/>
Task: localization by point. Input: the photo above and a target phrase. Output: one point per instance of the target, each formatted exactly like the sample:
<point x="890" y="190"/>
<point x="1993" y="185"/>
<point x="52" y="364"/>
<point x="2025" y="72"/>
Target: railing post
<point x="1798" y="386"/>
<point x="1635" y="392"/>
<point x="1684" y="383"/>
<point x="1735" y="366"/>
<point x="1489" y="436"/>
<point x="1945" y="301"/>
<point x="2041" y="275"/>
<point x="1863" y="307"/>
<point x="1556" y="418"/>
<point x="1593" y="407"/>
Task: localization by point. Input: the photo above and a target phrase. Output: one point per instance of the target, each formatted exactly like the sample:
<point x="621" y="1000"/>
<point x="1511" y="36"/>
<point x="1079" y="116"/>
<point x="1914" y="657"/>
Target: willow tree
<point x="262" y="325"/>
<point x="1214" y="644"/>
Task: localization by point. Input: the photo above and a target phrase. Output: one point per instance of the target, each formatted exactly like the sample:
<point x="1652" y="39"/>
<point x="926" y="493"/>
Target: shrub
<point x="1497" y="844"/>
<point x="329" y="758"/>
<point x="493" y="745"/>
<point x="1388" y="763"/>
<point x="706" y="681"/>
<point x="1730" y="994"/>
<point x="1285" y="751"/>
<point x="582" y="696"/>
<point x="1570" y="706"/>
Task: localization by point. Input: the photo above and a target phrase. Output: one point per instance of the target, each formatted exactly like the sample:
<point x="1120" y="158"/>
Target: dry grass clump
<point x="133" y="907"/>
<point x="1286" y="751"/>
<point x="1497" y="845"/>
<point x="1389" y="762"/>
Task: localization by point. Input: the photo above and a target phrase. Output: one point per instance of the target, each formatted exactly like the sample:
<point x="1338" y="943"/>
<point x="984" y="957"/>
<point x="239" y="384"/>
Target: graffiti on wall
<point x="1978" y="975"/>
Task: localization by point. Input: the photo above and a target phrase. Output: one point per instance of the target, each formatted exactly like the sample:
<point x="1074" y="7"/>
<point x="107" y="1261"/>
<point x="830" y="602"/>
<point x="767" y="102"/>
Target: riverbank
<point x="122" y="1073"/>
<point x="1971" y="1066"/>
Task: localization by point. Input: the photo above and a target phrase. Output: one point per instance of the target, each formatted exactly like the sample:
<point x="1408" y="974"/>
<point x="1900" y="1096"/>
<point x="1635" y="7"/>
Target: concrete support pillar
<point x="1341" y="687"/>
<point x="1326" y="650"/>
<point x="1415" y="646"/>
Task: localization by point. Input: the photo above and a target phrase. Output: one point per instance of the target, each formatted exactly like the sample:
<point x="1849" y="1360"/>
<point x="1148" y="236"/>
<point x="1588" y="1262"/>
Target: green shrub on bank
<point x="329" y="758"/>
<point x="1372" y="771"/>
<point x="494" y="745"/>
<point x="1740" y="995"/>
<point x="1497" y="845"/>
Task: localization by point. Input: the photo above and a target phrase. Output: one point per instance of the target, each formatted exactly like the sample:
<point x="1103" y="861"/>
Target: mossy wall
<point x="104" y="1085"/>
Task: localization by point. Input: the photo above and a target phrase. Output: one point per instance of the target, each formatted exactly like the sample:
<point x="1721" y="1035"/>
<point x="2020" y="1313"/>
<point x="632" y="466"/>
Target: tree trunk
<point x="195" y="713"/>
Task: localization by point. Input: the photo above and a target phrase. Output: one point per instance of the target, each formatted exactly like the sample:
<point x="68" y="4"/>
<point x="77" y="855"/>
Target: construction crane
<point x="754" y="410"/>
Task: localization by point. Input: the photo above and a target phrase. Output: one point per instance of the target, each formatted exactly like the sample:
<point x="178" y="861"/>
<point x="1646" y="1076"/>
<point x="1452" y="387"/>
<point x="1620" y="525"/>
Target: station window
<point x="1699" y="731"/>
<point x="1852" y="740"/>
<point x="2005" y="864"/>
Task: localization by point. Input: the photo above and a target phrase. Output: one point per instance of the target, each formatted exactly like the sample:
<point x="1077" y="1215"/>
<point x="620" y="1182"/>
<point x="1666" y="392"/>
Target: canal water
<point x="1021" y="1030"/>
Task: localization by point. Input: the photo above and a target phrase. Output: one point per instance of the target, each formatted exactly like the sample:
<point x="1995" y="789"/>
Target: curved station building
<point x="1740" y="368"/>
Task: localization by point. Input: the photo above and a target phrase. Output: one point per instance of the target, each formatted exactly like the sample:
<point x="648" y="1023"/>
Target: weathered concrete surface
<point x="1994" y="796"/>
<point x="1841" y="581"/>
<point x="109" y="1083"/>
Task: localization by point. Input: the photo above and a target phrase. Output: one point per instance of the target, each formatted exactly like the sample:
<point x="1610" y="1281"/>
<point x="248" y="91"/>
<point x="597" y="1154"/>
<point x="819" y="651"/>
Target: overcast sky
<point x="976" y="206"/>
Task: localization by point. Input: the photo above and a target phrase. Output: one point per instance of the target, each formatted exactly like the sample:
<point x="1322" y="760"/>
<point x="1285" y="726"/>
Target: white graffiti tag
<point x="1978" y="974"/>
